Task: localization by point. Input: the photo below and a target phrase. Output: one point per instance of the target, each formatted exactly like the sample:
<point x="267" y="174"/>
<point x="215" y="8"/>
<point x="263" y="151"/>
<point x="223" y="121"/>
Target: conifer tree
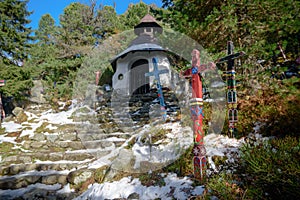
<point x="14" y="35"/>
<point x="14" y="47"/>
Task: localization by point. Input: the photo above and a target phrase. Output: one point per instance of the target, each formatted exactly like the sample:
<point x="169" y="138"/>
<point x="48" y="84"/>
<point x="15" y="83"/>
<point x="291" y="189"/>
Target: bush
<point x="272" y="169"/>
<point x="224" y="186"/>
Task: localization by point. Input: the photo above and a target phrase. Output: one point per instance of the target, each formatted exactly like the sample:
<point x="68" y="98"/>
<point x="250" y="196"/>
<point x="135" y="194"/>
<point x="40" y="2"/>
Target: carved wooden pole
<point x="196" y="107"/>
<point x="2" y="112"/>
<point x="231" y="86"/>
<point x="97" y="77"/>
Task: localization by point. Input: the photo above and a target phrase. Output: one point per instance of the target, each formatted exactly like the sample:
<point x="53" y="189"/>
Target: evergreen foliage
<point x="14" y="47"/>
<point x="255" y="25"/>
<point x="14" y="35"/>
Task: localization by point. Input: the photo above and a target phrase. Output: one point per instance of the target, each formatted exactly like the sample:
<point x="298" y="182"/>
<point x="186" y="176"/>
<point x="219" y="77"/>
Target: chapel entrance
<point x="139" y="83"/>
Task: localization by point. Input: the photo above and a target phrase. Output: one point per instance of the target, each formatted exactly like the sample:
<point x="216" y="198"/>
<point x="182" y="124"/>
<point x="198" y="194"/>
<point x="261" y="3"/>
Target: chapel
<point x="131" y="65"/>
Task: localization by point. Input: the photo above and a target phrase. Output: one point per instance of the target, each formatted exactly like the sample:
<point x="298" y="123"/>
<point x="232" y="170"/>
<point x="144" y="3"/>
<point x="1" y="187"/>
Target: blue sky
<point x="56" y="7"/>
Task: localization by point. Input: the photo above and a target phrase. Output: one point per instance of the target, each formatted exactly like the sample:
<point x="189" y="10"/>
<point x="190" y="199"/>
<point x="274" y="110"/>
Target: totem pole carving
<point x="231" y="88"/>
<point x="156" y="72"/>
<point x="196" y="107"/>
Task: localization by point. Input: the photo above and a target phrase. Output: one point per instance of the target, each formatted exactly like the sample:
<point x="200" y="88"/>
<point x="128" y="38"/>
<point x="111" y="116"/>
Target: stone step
<point x="44" y="166"/>
<point x="38" y="191"/>
<point x="78" y="155"/>
<point x="25" y="179"/>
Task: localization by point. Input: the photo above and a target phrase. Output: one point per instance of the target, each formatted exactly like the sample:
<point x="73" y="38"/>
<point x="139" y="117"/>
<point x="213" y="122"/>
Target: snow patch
<point x="178" y="188"/>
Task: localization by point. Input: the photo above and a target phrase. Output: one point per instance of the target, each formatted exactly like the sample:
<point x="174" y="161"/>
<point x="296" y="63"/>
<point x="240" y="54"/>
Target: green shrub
<point x="272" y="169"/>
<point x="224" y="186"/>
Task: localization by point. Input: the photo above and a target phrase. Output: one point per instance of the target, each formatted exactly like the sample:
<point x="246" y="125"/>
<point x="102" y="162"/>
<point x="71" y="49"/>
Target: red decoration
<point x="196" y="104"/>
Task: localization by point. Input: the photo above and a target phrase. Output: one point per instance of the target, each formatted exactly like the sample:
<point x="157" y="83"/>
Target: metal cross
<point x="156" y="72"/>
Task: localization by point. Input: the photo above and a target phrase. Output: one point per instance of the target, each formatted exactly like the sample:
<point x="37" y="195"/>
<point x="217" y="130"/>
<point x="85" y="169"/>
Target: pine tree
<point x="14" y="47"/>
<point x="46" y="31"/>
<point x="107" y="22"/>
<point x="14" y="35"/>
<point x="134" y="14"/>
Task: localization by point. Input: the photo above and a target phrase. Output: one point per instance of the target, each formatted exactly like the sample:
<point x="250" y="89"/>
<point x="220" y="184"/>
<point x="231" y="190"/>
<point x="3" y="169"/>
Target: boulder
<point x="20" y="115"/>
<point x="79" y="176"/>
<point x="36" y="92"/>
<point x="17" y="110"/>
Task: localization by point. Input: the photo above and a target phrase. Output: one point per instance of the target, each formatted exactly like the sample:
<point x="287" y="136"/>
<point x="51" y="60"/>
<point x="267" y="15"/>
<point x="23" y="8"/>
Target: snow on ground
<point x="163" y="152"/>
<point x="11" y="126"/>
<point x="178" y="140"/>
<point x="7" y="139"/>
<point x="178" y="188"/>
<point x="174" y="187"/>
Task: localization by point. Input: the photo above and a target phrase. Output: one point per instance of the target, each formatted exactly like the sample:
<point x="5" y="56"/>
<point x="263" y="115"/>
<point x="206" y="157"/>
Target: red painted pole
<point x="97" y="77"/>
<point x="196" y="106"/>
<point x="2" y="112"/>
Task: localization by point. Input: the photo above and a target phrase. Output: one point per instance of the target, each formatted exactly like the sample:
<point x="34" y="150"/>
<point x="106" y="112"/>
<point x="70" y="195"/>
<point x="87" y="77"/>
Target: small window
<point x="120" y="77"/>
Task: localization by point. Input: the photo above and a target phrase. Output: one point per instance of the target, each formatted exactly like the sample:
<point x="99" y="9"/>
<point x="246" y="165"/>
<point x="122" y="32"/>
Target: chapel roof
<point x="148" y="18"/>
<point x="145" y="40"/>
<point x="147" y="21"/>
<point x="135" y="48"/>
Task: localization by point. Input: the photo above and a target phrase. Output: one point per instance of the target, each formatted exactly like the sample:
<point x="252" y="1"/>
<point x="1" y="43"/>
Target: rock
<point x="25" y="159"/>
<point x="37" y="144"/>
<point x="133" y="196"/>
<point x="68" y="136"/>
<point x="7" y="184"/>
<point x="32" y="179"/>
<point x="35" y="194"/>
<point x="30" y="167"/>
<point x="52" y="138"/>
<point x="17" y="110"/>
<point x="76" y="145"/>
<point x="62" y="144"/>
<point x="77" y="156"/>
<point x="26" y="144"/>
<point x="62" y="179"/>
<point x="20" y="184"/>
<point x="14" y="169"/>
<point x="55" y="156"/>
<point x="50" y="180"/>
<point x="39" y="137"/>
<point x="36" y="92"/>
<point x="10" y="159"/>
<point x="124" y="162"/>
<point x="20" y="115"/>
<point x="79" y="176"/>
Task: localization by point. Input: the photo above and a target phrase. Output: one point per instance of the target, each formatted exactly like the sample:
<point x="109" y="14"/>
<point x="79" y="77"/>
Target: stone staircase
<point x="52" y="158"/>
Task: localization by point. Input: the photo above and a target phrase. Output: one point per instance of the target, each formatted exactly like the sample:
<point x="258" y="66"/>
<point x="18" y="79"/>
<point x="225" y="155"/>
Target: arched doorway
<point x="139" y="83"/>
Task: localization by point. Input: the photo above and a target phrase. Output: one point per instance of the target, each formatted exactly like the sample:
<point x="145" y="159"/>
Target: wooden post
<point x="196" y="107"/>
<point x="2" y="112"/>
<point x="97" y="77"/>
<point x="231" y="88"/>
